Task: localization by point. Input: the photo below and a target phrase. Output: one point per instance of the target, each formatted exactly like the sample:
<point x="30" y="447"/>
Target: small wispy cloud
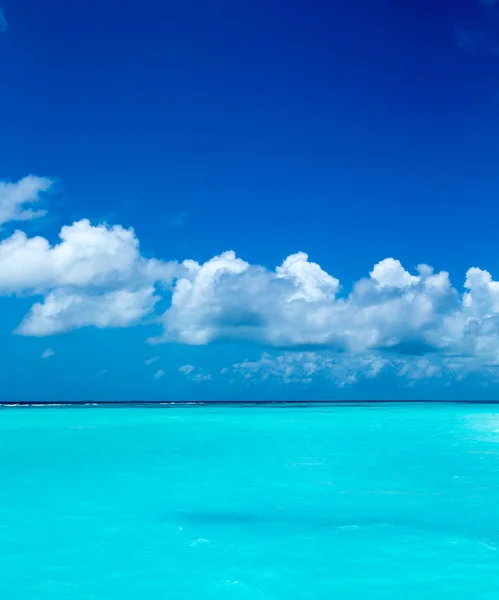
<point x="201" y="377"/>
<point x="101" y="373"/>
<point x="48" y="353"/>
<point x="14" y="197"/>
<point x="150" y="361"/>
<point x="159" y="374"/>
<point x="3" y="22"/>
<point x="188" y="369"/>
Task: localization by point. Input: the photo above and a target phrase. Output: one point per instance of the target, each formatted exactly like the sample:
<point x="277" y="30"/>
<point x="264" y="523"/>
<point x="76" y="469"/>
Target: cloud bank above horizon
<point x="96" y="276"/>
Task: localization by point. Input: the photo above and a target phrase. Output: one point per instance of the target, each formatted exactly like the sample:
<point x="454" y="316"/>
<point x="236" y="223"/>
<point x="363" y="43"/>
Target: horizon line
<point x="169" y="403"/>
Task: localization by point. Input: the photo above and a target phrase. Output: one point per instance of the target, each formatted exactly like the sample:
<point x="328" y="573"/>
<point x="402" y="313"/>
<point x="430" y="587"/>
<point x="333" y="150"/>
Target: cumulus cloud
<point x="15" y="196"/>
<point x="48" y="353"/>
<point x="390" y="273"/>
<point x="94" y="276"/>
<point x="227" y="298"/>
<point x="86" y="257"/>
<point x="298" y="305"/>
<point x="62" y="310"/>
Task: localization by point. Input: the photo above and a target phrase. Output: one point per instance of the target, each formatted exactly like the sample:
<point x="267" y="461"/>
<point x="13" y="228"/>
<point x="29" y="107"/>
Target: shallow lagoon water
<point x="376" y="501"/>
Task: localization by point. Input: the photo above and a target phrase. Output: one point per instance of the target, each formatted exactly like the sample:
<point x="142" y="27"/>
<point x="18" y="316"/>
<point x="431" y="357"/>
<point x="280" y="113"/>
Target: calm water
<point x="255" y="502"/>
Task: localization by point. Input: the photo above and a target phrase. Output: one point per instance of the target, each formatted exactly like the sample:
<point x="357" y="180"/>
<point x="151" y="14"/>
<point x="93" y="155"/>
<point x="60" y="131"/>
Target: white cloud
<point x="298" y="305"/>
<point x="95" y="276"/>
<point x="310" y="281"/>
<point x="189" y="369"/>
<point x="48" y="353"/>
<point x="293" y="367"/>
<point x="62" y="310"/>
<point x="342" y="370"/>
<point x="86" y="257"/>
<point x="159" y="374"/>
<point x="152" y="360"/>
<point x="200" y="377"/>
<point x="15" y="196"/>
<point x="390" y="273"/>
<point x="226" y="298"/>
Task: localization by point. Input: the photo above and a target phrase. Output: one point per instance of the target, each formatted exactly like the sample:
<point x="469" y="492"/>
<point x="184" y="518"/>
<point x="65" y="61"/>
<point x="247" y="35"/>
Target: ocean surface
<point x="380" y="501"/>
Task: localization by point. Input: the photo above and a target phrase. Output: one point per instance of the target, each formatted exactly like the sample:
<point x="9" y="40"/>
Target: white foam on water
<point x="199" y="541"/>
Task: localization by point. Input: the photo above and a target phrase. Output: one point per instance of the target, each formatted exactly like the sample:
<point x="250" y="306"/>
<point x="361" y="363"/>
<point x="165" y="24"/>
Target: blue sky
<point x="362" y="134"/>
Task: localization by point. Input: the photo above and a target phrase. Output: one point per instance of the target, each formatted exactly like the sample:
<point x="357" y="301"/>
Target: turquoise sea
<point x="277" y="502"/>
